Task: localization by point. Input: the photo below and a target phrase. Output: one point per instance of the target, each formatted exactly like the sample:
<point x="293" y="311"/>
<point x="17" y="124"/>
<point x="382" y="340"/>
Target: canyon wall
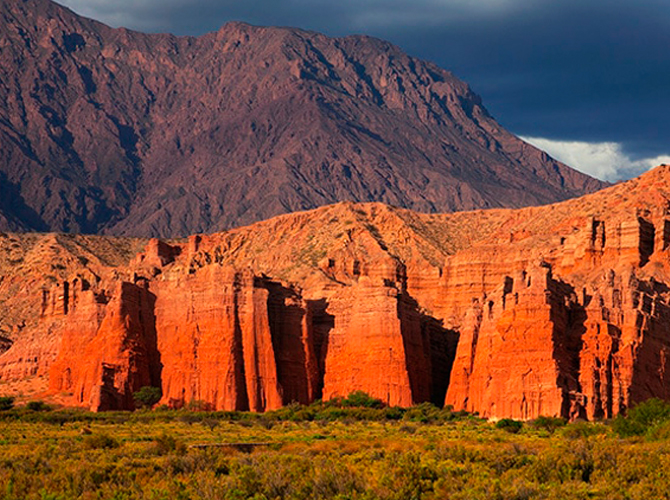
<point x="582" y="334"/>
<point x="233" y="340"/>
<point x="561" y="310"/>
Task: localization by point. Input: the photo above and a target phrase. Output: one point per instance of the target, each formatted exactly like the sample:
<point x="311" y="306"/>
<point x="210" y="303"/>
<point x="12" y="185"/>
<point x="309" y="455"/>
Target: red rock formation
<point x="575" y="344"/>
<point x="102" y="367"/>
<point x="513" y="359"/>
<point x="236" y="341"/>
<point x="367" y="347"/>
<point x="44" y="279"/>
<point x="561" y="310"/>
<point x="216" y="341"/>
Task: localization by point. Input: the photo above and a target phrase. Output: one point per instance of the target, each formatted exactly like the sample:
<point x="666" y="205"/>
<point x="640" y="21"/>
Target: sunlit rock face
<point x="559" y="310"/>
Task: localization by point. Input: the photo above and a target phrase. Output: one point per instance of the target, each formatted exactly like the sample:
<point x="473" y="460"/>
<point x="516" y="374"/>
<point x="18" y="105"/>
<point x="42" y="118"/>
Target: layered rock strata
<point x="234" y="340"/>
<point x="561" y="310"/>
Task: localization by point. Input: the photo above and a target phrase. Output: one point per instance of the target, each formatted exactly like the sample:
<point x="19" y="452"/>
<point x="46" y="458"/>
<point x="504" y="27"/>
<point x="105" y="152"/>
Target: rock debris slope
<point x="112" y="131"/>
<point x="555" y="310"/>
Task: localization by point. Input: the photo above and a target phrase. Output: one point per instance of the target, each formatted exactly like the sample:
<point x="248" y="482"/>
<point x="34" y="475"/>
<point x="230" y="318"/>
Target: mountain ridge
<point x="112" y="131"/>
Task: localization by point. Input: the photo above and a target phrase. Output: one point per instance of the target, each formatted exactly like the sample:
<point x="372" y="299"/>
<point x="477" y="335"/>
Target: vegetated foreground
<point x="112" y="131"/>
<point x="560" y="310"/>
<point x="330" y="452"/>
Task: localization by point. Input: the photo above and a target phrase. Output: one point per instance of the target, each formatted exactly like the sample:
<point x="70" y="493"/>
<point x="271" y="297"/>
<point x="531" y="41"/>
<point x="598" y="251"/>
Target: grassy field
<point x="327" y="452"/>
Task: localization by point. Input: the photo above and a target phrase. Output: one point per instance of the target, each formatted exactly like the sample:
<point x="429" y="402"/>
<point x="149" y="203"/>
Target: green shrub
<point x="6" y="403"/>
<point x="190" y="417"/>
<point x="295" y="412"/>
<point x="147" y="396"/>
<point x="549" y="424"/>
<point x="393" y="413"/>
<point x="165" y="444"/>
<point x="424" y="412"/>
<point x="100" y="441"/>
<point x="409" y="429"/>
<point x="198" y="405"/>
<point x="659" y="432"/>
<point x="509" y="425"/>
<point x="210" y="423"/>
<point x="38" y="406"/>
<point x="582" y="429"/>
<point x="304" y="414"/>
<point x="361" y="399"/>
<point x="642" y="417"/>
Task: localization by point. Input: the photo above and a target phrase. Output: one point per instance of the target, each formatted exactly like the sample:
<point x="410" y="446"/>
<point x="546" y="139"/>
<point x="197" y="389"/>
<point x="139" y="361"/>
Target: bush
<point x="642" y="418"/>
<point x="198" y="405"/>
<point x="423" y="412"/>
<point x="190" y="417"/>
<point x="295" y="412"/>
<point x="38" y="406"/>
<point x="393" y="413"/>
<point x="211" y="423"/>
<point x="147" y="396"/>
<point x="659" y="432"/>
<point x="100" y="441"/>
<point x="582" y="429"/>
<point x="165" y="444"/>
<point x="549" y="424"/>
<point x="509" y="425"/>
<point x="6" y="403"/>
<point x="359" y="399"/>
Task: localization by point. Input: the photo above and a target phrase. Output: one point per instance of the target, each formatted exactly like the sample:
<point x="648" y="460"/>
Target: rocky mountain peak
<point x="113" y="131"/>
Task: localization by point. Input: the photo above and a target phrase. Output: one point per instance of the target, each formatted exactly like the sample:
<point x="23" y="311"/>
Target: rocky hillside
<point x="555" y="310"/>
<point x="117" y="132"/>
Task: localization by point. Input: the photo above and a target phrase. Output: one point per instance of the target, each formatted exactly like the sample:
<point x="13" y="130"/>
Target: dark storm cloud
<point x="567" y="70"/>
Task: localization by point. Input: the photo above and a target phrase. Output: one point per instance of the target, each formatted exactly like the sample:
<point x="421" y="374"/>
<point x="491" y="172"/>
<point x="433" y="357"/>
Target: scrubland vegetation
<point x="349" y="449"/>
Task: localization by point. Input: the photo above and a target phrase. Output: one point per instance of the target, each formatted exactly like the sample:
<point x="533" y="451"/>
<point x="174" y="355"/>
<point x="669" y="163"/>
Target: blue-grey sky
<point x="587" y="80"/>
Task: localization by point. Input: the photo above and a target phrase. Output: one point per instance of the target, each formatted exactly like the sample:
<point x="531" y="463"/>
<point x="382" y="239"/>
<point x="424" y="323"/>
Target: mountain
<point x="116" y="132"/>
<point x="556" y="310"/>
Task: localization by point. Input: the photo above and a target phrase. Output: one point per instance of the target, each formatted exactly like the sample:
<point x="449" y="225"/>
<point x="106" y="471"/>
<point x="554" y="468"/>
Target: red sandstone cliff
<point x="558" y="310"/>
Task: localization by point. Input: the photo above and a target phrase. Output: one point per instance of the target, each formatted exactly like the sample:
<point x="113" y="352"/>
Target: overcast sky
<point x="587" y="80"/>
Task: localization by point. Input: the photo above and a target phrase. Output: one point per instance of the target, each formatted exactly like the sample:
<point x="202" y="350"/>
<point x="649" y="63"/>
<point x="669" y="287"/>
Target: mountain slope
<point x="112" y="131"/>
